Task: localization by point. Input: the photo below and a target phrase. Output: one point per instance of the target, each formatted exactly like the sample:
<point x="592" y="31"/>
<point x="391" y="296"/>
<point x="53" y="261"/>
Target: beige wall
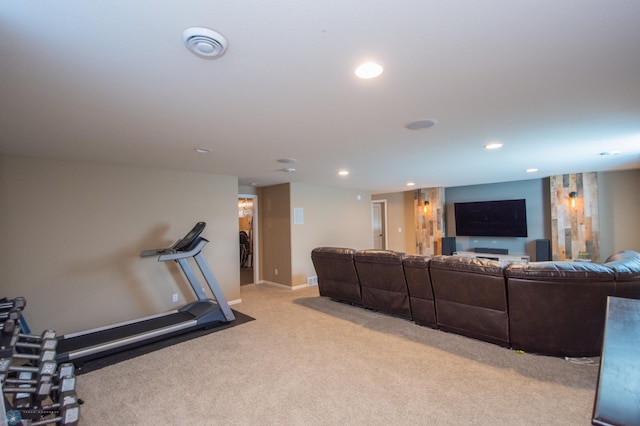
<point x="619" y="202"/>
<point x="72" y="233"/>
<point x="247" y="190"/>
<point x="332" y="217"/>
<point x="409" y="223"/>
<point x="275" y="233"/>
<point x="400" y="221"/>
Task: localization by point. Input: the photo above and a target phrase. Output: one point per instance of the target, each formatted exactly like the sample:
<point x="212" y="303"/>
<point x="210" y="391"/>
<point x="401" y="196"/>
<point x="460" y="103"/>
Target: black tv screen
<point x="504" y="218"/>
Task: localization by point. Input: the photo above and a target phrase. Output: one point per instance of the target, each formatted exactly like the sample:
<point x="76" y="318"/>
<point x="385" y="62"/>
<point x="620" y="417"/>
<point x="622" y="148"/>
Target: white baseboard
<point x="297" y="287"/>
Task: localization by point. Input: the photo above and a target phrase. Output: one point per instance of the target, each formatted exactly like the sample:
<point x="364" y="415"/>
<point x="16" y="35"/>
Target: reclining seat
<point x="558" y="308"/>
<point x="382" y="281"/>
<point x="471" y="297"/>
<point x="626" y="265"/>
<point x="337" y="277"/>
<point x="416" y="272"/>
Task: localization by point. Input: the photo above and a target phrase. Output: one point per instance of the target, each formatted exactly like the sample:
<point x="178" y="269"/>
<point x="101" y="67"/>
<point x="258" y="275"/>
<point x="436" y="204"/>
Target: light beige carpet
<point x="307" y="360"/>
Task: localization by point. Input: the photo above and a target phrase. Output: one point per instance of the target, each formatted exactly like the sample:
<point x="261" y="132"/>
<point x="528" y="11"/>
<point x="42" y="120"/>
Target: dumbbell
<point x="65" y="393"/>
<point x="7" y="330"/>
<point x="47" y="334"/>
<point x="45" y="370"/>
<point x="68" y="399"/>
<point x="68" y="416"/>
<point x="46" y="341"/>
<point x="10" y="315"/>
<point x="8" y="325"/>
<point x="64" y="370"/>
<point x="43" y="356"/>
<point x="43" y="345"/>
<point x="22" y="400"/>
<point x="18" y="303"/>
<point x="44" y="389"/>
<point x="65" y="382"/>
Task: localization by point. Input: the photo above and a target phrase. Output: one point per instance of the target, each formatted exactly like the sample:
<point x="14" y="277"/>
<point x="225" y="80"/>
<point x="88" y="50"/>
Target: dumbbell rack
<point x="35" y="389"/>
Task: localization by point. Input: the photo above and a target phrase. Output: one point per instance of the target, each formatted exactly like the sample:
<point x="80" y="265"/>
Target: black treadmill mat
<point x="107" y="360"/>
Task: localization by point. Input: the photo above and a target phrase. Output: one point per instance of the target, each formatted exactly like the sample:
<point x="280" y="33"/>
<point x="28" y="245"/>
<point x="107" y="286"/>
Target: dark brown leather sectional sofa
<point x="550" y="308"/>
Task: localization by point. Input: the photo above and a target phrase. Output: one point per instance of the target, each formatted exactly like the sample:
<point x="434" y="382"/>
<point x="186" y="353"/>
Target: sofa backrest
<point x="626" y="265"/>
<point x="337" y="276"/>
<point x="450" y="277"/>
<point x="558" y="308"/>
<point x="471" y="297"/>
<point x="416" y="272"/>
<point x="382" y="281"/>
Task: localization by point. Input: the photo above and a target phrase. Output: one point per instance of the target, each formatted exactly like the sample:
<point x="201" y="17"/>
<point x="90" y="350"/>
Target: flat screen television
<point x="503" y="218"/>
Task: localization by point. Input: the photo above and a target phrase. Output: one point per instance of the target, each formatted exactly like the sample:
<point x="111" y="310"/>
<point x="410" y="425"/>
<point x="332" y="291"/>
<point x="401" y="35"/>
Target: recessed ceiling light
<point x="532" y="170"/>
<point x="421" y="124"/>
<point x="493" y="145"/>
<point x="369" y="70"/>
<point x="411" y="184"/>
<point x="203" y="150"/>
<point x="287" y="160"/>
<point x="604" y="154"/>
<point x="289" y="170"/>
<point x="343" y="172"/>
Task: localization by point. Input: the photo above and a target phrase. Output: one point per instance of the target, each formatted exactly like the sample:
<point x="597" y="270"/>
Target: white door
<point x="377" y="225"/>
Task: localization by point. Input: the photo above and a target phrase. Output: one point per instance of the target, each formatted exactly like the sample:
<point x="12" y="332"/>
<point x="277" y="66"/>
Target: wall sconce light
<point x="573" y="195"/>
<point x="425" y="206"/>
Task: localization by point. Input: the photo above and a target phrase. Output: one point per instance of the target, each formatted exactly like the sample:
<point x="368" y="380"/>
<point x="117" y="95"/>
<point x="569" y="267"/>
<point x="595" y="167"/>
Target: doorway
<point x="379" y="224"/>
<point x="248" y="238"/>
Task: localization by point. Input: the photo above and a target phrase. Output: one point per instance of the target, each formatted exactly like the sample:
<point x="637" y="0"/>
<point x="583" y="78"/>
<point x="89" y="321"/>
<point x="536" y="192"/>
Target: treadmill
<point x="203" y="313"/>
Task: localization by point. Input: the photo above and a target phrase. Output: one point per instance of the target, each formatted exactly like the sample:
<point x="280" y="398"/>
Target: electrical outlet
<point x="174" y="298"/>
<point x="276" y="271"/>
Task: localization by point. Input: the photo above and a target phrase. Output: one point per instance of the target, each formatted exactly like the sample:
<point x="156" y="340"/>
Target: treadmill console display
<point x="188" y="239"/>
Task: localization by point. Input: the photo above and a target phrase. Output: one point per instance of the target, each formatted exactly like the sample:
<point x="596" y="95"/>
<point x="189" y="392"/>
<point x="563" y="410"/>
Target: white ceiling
<point x="557" y="82"/>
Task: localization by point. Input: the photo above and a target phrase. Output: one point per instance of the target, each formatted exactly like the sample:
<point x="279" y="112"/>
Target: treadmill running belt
<point x="111" y="334"/>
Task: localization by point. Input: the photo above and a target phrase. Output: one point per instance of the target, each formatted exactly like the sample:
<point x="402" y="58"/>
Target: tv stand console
<point x="505" y="258"/>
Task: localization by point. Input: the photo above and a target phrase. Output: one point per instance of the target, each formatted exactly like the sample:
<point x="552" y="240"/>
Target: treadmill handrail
<point x="197" y="248"/>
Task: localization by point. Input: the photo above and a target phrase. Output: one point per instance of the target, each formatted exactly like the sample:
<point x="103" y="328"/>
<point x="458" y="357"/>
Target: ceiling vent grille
<point x="204" y="42"/>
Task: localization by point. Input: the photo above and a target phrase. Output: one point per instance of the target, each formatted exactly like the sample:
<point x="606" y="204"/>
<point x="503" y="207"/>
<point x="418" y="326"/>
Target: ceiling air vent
<point x="204" y="42"/>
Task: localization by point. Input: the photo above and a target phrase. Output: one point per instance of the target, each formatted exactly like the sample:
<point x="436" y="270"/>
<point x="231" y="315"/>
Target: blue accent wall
<point x="534" y="191"/>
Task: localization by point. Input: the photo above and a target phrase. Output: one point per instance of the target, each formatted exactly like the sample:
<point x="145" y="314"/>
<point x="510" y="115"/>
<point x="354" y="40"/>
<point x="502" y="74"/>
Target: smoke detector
<point x="204" y="42"/>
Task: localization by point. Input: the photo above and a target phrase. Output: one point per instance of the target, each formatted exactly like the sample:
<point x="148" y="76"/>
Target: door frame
<point x="383" y="207"/>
